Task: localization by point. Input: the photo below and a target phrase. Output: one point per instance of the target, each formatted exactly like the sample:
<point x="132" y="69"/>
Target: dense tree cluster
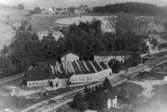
<point x="130" y="7"/>
<point x="87" y="38"/>
<point x="133" y="60"/>
<point x="115" y="65"/>
<point x="84" y="39"/>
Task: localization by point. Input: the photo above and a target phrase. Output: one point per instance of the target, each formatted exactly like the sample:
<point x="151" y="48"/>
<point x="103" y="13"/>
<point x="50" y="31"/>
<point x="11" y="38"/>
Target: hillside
<point x="131" y="7"/>
<point x="9" y="18"/>
<point x="145" y="24"/>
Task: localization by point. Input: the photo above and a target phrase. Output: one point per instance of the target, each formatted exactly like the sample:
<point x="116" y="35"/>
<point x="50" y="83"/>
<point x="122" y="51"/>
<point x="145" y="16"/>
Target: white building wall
<point x="84" y="78"/>
<point x="37" y="83"/>
<point x="44" y="83"/>
<point x="108" y="58"/>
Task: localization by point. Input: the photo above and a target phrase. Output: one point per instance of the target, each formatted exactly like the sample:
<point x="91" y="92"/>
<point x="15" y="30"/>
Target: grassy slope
<point x="12" y="16"/>
<point x="41" y="23"/>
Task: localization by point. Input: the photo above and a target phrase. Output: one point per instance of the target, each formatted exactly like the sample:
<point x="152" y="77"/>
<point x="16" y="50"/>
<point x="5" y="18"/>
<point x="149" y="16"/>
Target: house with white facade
<point x="106" y="56"/>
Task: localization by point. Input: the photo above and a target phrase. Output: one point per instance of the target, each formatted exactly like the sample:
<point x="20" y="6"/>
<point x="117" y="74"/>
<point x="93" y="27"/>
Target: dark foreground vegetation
<point x="96" y="98"/>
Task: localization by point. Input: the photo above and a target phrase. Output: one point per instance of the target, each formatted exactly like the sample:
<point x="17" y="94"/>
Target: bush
<point x="20" y="6"/>
<point x="115" y="65"/>
<point x="133" y="60"/>
<point x="66" y="108"/>
<point x="106" y="84"/>
<point x="78" y="103"/>
<point x="136" y="59"/>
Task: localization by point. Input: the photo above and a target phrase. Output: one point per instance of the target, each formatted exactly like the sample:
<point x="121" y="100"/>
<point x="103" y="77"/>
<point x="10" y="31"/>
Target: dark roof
<point x="113" y="53"/>
<point x="40" y="72"/>
<point x="63" y="76"/>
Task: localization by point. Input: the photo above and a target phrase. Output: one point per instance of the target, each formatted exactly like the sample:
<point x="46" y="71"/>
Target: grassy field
<point x="41" y="22"/>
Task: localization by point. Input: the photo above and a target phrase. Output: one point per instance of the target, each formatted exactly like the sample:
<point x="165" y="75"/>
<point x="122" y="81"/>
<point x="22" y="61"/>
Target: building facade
<point x="107" y="56"/>
<point x="58" y="83"/>
<point x="92" y="77"/>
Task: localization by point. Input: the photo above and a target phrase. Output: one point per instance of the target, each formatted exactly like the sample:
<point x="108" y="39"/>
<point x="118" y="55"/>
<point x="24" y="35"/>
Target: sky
<point x="66" y="3"/>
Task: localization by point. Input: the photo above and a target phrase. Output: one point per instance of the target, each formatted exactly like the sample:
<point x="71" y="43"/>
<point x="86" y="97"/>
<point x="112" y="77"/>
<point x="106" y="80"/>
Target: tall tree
<point x="115" y="65"/>
<point x="154" y="42"/>
<point x="49" y="47"/>
<point x="107" y="84"/>
<point x="79" y="103"/>
<point x="135" y="57"/>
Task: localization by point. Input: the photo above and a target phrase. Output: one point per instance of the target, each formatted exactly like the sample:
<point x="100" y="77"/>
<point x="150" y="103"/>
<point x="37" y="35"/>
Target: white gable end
<point x="70" y="57"/>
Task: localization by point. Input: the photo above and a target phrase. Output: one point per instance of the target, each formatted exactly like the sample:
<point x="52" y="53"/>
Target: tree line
<point x="131" y="7"/>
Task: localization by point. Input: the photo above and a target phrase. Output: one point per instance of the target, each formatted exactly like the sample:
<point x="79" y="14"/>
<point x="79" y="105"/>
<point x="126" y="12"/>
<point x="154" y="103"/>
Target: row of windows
<point x="43" y="83"/>
<point x="112" y="57"/>
<point x="36" y="83"/>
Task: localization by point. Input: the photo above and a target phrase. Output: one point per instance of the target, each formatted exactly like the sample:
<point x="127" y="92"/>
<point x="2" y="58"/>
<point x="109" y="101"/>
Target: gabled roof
<point x="113" y="53"/>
